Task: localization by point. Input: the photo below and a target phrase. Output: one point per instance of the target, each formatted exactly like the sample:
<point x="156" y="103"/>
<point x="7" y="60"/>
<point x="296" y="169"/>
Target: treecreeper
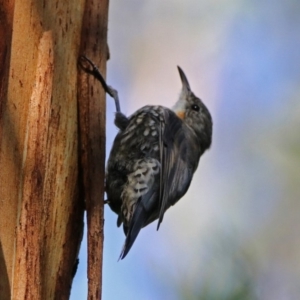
<point x="153" y="157"/>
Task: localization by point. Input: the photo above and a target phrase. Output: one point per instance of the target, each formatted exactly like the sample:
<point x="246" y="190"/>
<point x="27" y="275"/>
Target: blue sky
<point x="239" y="216"/>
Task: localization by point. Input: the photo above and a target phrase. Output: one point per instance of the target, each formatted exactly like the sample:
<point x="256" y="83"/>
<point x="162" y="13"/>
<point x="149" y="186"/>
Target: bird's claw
<point x="93" y="70"/>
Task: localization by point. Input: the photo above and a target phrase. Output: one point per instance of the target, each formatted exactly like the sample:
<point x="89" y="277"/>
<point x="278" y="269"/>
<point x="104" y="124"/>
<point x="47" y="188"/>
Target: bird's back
<point x="138" y="140"/>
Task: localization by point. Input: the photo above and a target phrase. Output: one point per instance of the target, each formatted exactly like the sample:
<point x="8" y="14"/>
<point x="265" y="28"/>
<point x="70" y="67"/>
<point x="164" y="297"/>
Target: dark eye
<point x="195" y="107"/>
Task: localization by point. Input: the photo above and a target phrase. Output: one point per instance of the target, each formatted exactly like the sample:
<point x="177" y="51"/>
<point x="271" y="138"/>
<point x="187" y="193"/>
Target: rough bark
<point x="92" y="109"/>
<point x="41" y="191"/>
<point x="8" y="209"/>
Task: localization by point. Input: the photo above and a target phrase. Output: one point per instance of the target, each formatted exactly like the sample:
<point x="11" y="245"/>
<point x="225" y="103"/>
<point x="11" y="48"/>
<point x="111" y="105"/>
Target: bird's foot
<point x="88" y="66"/>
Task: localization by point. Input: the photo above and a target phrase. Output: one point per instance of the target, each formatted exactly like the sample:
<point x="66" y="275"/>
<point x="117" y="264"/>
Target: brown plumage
<point x="153" y="158"/>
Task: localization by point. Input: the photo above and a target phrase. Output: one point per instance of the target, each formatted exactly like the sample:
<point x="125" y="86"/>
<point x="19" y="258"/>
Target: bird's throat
<point x="180" y="114"/>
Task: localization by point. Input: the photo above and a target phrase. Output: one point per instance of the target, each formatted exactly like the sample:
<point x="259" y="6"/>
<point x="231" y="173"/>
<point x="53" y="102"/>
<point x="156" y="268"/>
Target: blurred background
<point x="236" y="233"/>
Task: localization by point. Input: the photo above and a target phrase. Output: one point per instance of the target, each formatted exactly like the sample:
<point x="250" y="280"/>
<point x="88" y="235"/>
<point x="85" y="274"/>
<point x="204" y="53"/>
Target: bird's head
<point x="194" y="113"/>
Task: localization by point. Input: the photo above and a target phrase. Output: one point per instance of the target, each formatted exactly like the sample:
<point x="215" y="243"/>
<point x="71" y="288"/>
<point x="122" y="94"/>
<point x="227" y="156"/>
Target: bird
<point x="154" y="157"/>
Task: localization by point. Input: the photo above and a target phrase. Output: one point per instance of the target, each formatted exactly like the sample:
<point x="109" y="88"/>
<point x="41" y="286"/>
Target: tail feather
<point x="138" y="221"/>
<point x="139" y="197"/>
<point x="136" y="224"/>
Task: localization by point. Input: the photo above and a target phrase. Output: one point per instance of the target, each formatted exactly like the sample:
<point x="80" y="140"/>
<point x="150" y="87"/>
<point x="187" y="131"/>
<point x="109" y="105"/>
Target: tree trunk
<point x="42" y="190"/>
<point x="92" y="136"/>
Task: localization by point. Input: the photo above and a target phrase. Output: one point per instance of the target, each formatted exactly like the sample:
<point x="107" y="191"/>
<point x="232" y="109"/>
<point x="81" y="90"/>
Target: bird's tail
<point x="139" y="198"/>
<point x="136" y="224"/>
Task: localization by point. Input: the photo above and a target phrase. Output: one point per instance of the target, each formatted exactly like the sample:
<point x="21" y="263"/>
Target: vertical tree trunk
<point x="41" y="191"/>
<point x="92" y="109"/>
<point x="8" y="208"/>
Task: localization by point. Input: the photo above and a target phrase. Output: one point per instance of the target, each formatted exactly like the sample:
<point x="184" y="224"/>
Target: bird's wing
<point x="159" y="177"/>
<point x="175" y="172"/>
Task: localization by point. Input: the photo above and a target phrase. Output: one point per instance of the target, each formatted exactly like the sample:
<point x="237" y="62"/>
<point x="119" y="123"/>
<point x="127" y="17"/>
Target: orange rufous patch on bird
<point x="180" y="114"/>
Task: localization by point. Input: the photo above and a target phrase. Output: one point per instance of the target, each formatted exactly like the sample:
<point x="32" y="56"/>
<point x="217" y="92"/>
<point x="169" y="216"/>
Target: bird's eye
<point x="195" y="107"/>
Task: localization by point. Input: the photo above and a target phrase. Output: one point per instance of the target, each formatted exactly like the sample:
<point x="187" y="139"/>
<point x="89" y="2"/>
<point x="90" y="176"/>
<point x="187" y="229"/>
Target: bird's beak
<point x="185" y="83"/>
<point x="180" y="105"/>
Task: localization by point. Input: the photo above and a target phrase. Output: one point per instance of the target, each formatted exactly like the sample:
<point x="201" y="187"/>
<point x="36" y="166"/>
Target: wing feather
<point x="176" y="174"/>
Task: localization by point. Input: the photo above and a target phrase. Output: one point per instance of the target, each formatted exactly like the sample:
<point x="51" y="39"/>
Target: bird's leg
<point x="92" y="69"/>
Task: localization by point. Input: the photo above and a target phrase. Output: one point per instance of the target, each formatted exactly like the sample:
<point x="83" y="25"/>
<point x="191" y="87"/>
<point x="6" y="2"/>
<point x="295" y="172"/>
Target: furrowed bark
<point x="41" y="202"/>
<point x="92" y="107"/>
<point x="8" y="158"/>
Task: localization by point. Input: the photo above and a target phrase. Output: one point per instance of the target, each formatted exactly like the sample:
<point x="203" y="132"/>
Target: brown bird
<point x="154" y="157"/>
